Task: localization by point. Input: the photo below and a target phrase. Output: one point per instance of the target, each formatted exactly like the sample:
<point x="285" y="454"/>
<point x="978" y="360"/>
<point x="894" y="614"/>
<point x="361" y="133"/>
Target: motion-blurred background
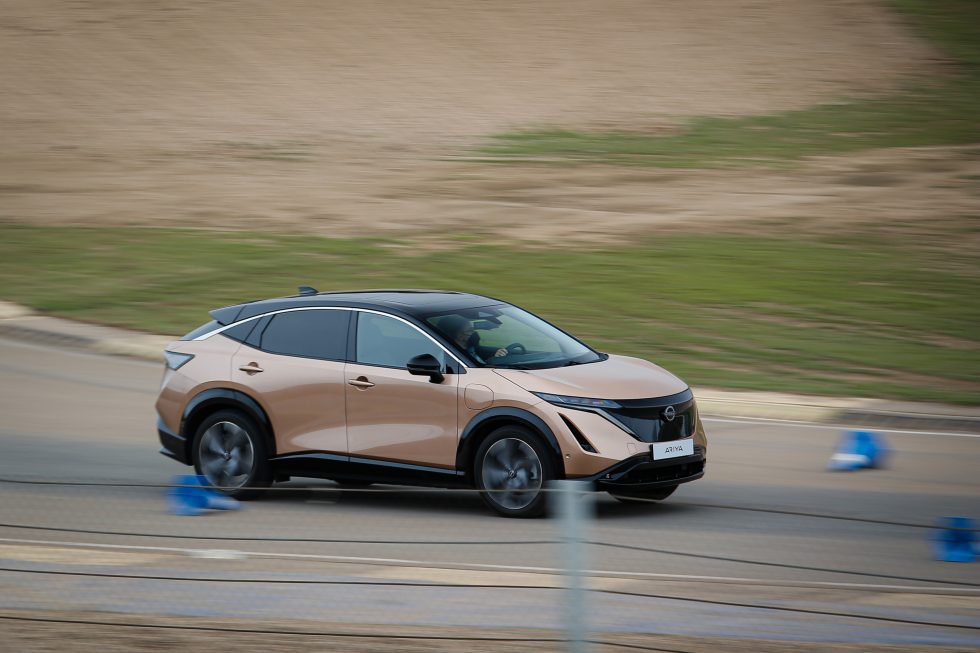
<point x="766" y="195"/>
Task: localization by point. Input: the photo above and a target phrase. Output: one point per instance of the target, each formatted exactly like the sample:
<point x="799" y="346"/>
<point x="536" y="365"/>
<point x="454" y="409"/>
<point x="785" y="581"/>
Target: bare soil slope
<point x="329" y="116"/>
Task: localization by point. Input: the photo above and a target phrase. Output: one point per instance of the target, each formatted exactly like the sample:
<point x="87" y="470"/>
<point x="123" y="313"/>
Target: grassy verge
<point x="938" y="113"/>
<point x="844" y="317"/>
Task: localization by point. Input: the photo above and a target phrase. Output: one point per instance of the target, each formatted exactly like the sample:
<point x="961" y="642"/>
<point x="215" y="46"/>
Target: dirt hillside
<point x="337" y="117"/>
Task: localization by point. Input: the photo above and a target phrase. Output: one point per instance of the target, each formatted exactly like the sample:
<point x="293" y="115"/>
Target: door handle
<point x="361" y="382"/>
<point x="251" y="368"/>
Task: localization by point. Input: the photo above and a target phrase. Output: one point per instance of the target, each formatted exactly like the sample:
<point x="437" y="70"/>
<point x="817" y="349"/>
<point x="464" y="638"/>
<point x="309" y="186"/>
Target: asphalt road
<point x="768" y="525"/>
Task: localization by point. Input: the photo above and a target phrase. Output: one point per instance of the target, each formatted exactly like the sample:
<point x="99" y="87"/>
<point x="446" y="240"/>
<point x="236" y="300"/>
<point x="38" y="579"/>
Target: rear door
<point x="293" y="364"/>
<point x="393" y="415"/>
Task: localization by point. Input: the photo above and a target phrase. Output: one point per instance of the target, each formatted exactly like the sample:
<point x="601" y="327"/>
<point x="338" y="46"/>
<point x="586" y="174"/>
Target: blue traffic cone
<point x="858" y="450"/>
<point x="191" y="495"/>
<point x="218" y="501"/>
<point x="185" y="497"/>
<point x="956" y="540"/>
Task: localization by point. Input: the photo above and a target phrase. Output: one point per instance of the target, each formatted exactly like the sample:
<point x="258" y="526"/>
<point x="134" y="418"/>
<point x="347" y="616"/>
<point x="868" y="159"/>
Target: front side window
<point x="310" y="334"/>
<point x="506" y="336"/>
<point x="383" y="340"/>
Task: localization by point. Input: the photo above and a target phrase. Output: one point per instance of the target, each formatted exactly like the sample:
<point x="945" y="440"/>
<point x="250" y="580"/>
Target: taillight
<point x="175" y="360"/>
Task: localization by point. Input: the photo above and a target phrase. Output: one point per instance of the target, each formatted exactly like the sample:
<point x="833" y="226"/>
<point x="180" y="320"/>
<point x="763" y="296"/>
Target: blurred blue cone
<point x="218" y="501"/>
<point x="191" y="495"/>
<point x="956" y="540"/>
<point x="858" y="450"/>
<point x="185" y="497"/>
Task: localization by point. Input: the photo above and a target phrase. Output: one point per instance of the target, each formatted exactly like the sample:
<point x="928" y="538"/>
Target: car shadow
<point x="608" y="508"/>
<point x="379" y="496"/>
<point x="452" y="501"/>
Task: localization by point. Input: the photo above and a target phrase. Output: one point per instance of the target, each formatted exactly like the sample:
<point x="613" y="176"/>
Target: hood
<point x="618" y="377"/>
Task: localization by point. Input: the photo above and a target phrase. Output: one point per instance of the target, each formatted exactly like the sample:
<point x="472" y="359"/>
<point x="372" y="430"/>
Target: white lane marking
<point x="72" y="556"/>
<point x="766" y="421"/>
<point x="597" y="573"/>
<point x="218" y="554"/>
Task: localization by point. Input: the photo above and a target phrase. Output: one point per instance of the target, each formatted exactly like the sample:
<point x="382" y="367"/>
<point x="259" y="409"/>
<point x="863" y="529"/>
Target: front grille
<point x="645" y="417"/>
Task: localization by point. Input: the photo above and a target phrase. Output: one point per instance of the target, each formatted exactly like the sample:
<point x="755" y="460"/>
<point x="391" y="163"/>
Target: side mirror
<point x="426" y="365"/>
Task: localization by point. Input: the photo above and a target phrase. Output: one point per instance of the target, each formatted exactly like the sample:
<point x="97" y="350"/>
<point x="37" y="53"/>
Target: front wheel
<point x="229" y="451"/>
<point x="511" y="467"/>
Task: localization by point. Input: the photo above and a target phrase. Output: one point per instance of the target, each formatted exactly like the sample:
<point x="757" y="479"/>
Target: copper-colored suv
<point x="421" y="387"/>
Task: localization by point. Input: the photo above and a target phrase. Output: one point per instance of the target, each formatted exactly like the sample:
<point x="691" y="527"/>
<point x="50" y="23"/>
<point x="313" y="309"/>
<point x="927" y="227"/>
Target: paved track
<point x="69" y="416"/>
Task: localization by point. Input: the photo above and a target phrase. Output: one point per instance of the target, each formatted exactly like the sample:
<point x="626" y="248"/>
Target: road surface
<point x="767" y="529"/>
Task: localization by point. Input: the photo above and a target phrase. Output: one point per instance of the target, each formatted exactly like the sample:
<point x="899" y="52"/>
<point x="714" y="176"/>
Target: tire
<point x="510" y="468"/>
<point x="229" y="450"/>
<point x="647" y="497"/>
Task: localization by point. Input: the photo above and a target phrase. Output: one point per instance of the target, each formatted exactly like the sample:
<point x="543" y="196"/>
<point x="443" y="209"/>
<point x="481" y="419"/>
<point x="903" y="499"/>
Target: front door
<point x="393" y="415"/>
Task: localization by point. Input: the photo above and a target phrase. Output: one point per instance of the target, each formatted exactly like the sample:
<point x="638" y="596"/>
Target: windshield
<point x="506" y="336"/>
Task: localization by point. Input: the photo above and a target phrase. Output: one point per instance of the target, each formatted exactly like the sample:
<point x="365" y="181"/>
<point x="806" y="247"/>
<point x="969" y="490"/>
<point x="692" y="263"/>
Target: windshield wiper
<point x="511" y="366"/>
<point x="599" y="357"/>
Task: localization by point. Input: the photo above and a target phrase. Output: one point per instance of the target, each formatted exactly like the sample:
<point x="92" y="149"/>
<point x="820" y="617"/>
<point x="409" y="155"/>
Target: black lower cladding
<point x="659" y="419"/>
<point x="174" y="446"/>
<point x="639" y="473"/>
<point x="340" y="467"/>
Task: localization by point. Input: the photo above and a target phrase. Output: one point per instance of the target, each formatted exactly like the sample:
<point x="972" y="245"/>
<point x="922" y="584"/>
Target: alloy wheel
<point x="512" y="473"/>
<point x="226" y="455"/>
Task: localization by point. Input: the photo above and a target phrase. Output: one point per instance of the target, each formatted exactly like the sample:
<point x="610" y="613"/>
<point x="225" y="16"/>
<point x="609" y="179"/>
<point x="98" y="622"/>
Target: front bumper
<point x="638" y="474"/>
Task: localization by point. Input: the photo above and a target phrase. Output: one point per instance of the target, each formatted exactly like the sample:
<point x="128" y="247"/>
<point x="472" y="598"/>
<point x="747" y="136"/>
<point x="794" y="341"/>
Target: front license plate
<point x="672" y="449"/>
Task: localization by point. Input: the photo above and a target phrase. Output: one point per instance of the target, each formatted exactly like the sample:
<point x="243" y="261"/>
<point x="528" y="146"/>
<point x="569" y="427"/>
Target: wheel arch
<point x="211" y="400"/>
<point x="486" y="422"/>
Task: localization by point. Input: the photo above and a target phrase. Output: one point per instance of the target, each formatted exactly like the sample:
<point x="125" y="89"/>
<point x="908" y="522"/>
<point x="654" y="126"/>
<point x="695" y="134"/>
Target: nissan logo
<point x="670" y="413"/>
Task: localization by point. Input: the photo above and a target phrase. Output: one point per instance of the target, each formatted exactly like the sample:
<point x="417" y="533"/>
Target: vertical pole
<point x="574" y="506"/>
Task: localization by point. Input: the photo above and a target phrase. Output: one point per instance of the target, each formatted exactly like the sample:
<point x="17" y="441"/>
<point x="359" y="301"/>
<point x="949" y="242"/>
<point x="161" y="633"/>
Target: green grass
<point x="847" y="317"/>
<point x="943" y="112"/>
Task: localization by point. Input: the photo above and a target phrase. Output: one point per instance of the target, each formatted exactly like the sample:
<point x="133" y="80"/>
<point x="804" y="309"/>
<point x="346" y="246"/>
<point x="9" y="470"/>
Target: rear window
<point x="201" y="330"/>
<point x="310" y="334"/>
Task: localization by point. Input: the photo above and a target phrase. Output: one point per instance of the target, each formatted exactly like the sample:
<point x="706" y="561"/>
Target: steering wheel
<point x="516" y="348"/>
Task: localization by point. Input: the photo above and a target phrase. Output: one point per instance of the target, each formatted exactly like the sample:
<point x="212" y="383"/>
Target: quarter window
<point x="310" y="334"/>
<point x="383" y="340"/>
<point x="240" y="332"/>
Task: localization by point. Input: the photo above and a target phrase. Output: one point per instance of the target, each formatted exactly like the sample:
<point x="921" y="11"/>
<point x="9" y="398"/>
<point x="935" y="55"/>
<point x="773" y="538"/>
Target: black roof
<point x="405" y="301"/>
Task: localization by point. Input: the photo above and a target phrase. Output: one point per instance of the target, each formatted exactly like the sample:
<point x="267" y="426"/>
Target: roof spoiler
<point x="227" y="315"/>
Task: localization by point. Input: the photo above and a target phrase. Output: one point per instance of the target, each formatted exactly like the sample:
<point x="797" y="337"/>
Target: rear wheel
<point x="646" y="497"/>
<point x="510" y="468"/>
<point x="229" y="450"/>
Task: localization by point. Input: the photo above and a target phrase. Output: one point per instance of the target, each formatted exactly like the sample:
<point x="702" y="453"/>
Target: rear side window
<point x="310" y="334"/>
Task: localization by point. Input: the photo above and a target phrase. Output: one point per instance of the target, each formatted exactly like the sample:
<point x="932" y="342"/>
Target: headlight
<point x="175" y="361"/>
<point x="581" y="402"/>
